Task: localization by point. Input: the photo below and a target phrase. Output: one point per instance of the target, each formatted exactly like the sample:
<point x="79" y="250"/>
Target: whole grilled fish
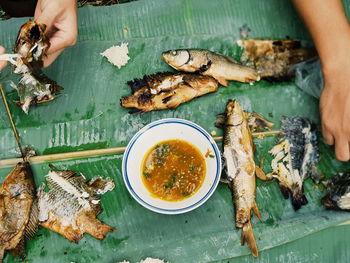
<point x="272" y="59"/>
<point x="71" y="205"/>
<point x="295" y="158"/>
<point x="30" y="47"/>
<point x="166" y="90"/>
<point x="240" y="167"/>
<point x="338" y="197"/>
<point x="208" y="63"/>
<point x="18" y="210"/>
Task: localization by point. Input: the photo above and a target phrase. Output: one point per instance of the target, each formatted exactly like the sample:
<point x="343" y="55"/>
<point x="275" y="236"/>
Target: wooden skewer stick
<point x="91" y="153"/>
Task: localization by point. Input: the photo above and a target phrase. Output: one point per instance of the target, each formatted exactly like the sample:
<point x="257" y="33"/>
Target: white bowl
<point x="158" y="131"/>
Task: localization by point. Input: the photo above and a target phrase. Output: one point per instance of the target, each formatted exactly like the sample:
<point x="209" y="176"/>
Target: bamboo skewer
<point x="12" y="123"/>
<point x="97" y="152"/>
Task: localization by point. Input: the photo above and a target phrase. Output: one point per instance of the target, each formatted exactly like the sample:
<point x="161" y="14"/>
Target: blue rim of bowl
<point x="150" y="126"/>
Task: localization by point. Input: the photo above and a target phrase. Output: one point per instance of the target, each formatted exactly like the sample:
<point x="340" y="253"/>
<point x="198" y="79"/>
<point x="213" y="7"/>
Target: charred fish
<point x="166" y="90"/>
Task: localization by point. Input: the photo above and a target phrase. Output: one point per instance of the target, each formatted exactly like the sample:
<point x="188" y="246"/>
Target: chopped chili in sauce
<point x="173" y="170"/>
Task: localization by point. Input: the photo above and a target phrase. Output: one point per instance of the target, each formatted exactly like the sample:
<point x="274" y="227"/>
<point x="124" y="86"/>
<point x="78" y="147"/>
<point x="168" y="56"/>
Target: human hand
<point x="335" y="107"/>
<point x="2" y="63"/>
<point x="60" y="17"/>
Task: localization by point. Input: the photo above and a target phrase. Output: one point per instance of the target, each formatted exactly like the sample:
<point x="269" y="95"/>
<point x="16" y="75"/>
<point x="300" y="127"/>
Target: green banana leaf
<point x="87" y="115"/>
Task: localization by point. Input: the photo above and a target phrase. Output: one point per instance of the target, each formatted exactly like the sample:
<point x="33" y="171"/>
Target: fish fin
<point x="137" y="84"/>
<point x="135" y="111"/>
<point x="19" y="249"/>
<point x="260" y="173"/>
<point x="248" y="236"/>
<point x="224" y="175"/>
<point x="33" y="221"/>
<point x="257" y="122"/>
<point x="222" y="81"/>
<point x="220" y="120"/>
<point x="256" y="211"/>
<point x="316" y="174"/>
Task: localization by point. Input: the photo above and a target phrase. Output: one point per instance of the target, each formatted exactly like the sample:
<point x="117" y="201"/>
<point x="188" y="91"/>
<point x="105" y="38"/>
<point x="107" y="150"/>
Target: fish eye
<point x="174" y="52"/>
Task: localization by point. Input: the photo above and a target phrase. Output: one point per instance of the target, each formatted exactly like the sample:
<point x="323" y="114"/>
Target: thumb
<point x="2" y="63"/>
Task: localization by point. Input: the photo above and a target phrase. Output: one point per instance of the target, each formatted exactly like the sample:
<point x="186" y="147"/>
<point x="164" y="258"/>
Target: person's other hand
<point x="60" y="17"/>
<point x="2" y="63"/>
<point x="335" y="107"/>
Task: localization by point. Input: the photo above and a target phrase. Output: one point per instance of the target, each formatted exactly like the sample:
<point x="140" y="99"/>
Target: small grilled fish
<point x="240" y="167"/>
<point x="208" y="63"/>
<point x="18" y="210"/>
<point x="71" y="205"/>
<point x="295" y="158"/>
<point x="166" y="90"/>
<point x="338" y="197"/>
<point x="30" y="47"/>
<point x="272" y="59"/>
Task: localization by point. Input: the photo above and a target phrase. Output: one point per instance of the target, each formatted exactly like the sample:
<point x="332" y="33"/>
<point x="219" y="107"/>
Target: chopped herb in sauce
<point x="173" y="170"/>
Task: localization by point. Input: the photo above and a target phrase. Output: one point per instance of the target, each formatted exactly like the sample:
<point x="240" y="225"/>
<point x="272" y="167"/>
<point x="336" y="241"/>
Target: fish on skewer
<point x="30" y="48"/>
<point x="71" y="205"/>
<point x="166" y="91"/>
<point x="18" y="210"/>
<point x="240" y="168"/>
<point x="209" y="63"/>
<point x="295" y="158"/>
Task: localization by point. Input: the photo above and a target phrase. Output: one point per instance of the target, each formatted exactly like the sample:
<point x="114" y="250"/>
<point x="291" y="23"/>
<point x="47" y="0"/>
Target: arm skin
<point x="330" y="31"/>
<point x="60" y="17"/>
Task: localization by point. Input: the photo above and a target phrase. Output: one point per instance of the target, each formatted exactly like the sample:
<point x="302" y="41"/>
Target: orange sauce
<point x="173" y="170"/>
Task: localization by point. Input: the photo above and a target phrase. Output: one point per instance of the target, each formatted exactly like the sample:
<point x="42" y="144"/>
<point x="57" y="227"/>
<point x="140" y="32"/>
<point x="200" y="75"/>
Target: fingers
<point x="62" y="39"/>
<point x="342" y="149"/>
<point x="327" y="136"/>
<point x="2" y="63"/>
<point x="51" y="58"/>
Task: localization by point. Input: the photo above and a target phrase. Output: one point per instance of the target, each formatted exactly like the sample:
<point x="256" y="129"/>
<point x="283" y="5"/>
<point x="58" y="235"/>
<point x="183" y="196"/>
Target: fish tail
<point x="256" y="211"/>
<point x="248" y="236"/>
<point x="298" y="200"/>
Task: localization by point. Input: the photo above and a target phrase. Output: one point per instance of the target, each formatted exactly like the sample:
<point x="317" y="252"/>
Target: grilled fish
<point x="272" y="59"/>
<point x="30" y="47"/>
<point x="18" y="210"/>
<point x="208" y="63"/>
<point x="338" y="197"/>
<point x="166" y="90"/>
<point x="240" y="167"/>
<point x="295" y="158"/>
<point x="71" y="205"/>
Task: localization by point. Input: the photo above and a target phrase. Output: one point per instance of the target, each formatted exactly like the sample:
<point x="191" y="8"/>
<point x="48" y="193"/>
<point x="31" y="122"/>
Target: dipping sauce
<point x="173" y="170"/>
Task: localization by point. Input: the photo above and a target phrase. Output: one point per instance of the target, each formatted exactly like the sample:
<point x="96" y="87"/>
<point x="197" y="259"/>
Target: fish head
<point x="234" y="113"/>
<point x="19" y="183"/>
<point x="31" y="41"/>
<point x="176" y="58"/>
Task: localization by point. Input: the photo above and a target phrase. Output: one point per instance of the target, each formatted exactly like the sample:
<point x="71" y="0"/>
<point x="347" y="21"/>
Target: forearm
<point x="329" y="28"/>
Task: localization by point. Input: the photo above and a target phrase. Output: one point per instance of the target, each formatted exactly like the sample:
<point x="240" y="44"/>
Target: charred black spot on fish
<point x="205" y="67"/>
<point x="145" y="98"/>
<point x="35" y="33"/>
<point x="136" y="84"/>
<point x="166" y="99"/>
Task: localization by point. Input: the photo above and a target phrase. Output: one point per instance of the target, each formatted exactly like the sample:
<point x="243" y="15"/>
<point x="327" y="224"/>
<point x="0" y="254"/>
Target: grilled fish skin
<point x="71" y="205"/>
<point x="208" y="63"/>
<point x="295" y="158"/>
<point x="273" y="59"/>
<point x="30" y="47"/>
<point x="338" y="197"/>
<point x="240" y="168"/>
<point x="166" y="90"/>
<point x="17" y="205"/>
